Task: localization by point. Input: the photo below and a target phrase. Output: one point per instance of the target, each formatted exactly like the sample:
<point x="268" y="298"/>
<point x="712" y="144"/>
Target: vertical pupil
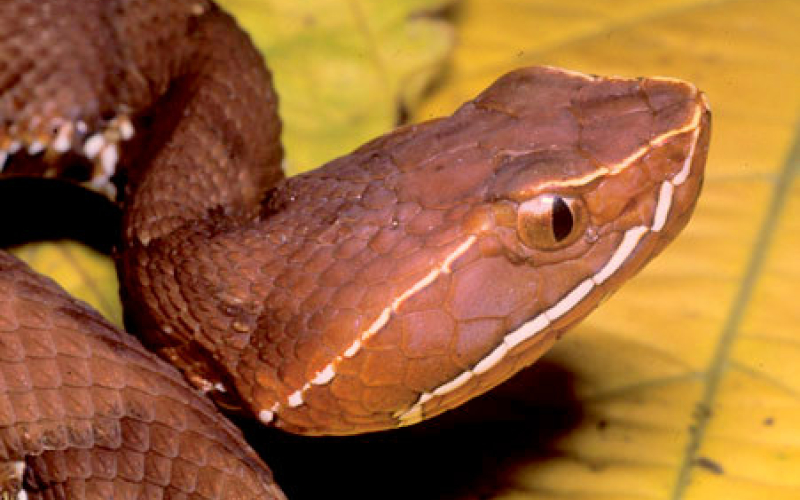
<point x="562" y="219"/>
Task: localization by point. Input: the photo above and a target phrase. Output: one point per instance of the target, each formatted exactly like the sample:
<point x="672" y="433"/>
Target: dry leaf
<point x="85" y="273"/>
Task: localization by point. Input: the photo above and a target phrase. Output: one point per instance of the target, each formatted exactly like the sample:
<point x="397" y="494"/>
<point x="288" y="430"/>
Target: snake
<point x="383" y="288"/>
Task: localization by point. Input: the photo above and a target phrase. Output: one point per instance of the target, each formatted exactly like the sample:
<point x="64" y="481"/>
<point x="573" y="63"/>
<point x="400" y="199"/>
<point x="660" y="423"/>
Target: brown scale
<point x="371" y="293"/>
<point x="87" y="412"/>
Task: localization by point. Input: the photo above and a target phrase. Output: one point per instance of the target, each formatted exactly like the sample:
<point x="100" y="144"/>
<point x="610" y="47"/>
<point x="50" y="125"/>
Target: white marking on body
<point x="325" y="376"/>
<point x="126" y="130"/>
<point x="14" y="147"/>
<point x="18" y="476"/>
<point x="3" y="159"/>
<point x="63" y="140"/>
<point x="629" y="241"/>
<point x="93" y="146"/>
<point x="101" y="183"/>
<point x="662" y="206"/>
<point x="266" y="416"/>
<point x="492" y="359"/>
<point x="35" y="148"/>
<point x="206" y="386"/>
<point x="108" y="160"/>
<point x="328" y="372"/>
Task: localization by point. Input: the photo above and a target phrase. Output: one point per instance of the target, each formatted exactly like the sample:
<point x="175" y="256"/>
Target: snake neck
<point x="210" y="146"/>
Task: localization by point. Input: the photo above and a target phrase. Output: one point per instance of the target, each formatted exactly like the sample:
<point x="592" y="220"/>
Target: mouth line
<point x="540" y="322"/>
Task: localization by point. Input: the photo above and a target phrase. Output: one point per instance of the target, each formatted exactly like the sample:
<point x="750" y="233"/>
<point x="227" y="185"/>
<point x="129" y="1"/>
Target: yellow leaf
<point x="85" y="273"/>
<point x="344" y="69"/>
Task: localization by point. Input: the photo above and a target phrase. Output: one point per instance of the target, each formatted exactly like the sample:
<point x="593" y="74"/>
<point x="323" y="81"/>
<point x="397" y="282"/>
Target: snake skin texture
<point x="87" y="412"/>
<point x="383" y="288"/>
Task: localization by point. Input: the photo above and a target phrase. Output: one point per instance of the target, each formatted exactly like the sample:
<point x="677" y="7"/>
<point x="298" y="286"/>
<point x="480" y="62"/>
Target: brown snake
<point x="385" y="287"/>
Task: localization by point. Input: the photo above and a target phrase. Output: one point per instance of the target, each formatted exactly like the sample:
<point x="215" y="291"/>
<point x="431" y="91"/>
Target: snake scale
<point x="383" y="288"/>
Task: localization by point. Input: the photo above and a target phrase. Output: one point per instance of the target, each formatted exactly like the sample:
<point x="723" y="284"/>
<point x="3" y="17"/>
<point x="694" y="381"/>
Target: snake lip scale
<point x="383" y="288"/>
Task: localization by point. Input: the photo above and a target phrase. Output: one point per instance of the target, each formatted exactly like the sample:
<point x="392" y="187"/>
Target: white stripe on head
<point x="494" y="357"/>
<point x="328" y="372"/>
<point x="530" y="329"/>
<point x="629" y="241"/>
<point x="681" y="176"/>
<point x="663" y="205"/>
<point x="570" y="300"/>
<point x="526" y="331"/>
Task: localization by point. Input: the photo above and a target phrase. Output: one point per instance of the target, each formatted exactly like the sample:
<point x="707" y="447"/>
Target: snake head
<point x="460" y="249"/>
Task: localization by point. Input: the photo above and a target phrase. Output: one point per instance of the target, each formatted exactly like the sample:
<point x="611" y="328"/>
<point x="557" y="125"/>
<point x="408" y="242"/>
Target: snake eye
<point x="550" y="221"/>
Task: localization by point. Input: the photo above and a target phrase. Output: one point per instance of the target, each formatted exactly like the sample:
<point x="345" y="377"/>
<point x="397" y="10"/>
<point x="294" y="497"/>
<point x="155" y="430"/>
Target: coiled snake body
<point x="383" y="288"/>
